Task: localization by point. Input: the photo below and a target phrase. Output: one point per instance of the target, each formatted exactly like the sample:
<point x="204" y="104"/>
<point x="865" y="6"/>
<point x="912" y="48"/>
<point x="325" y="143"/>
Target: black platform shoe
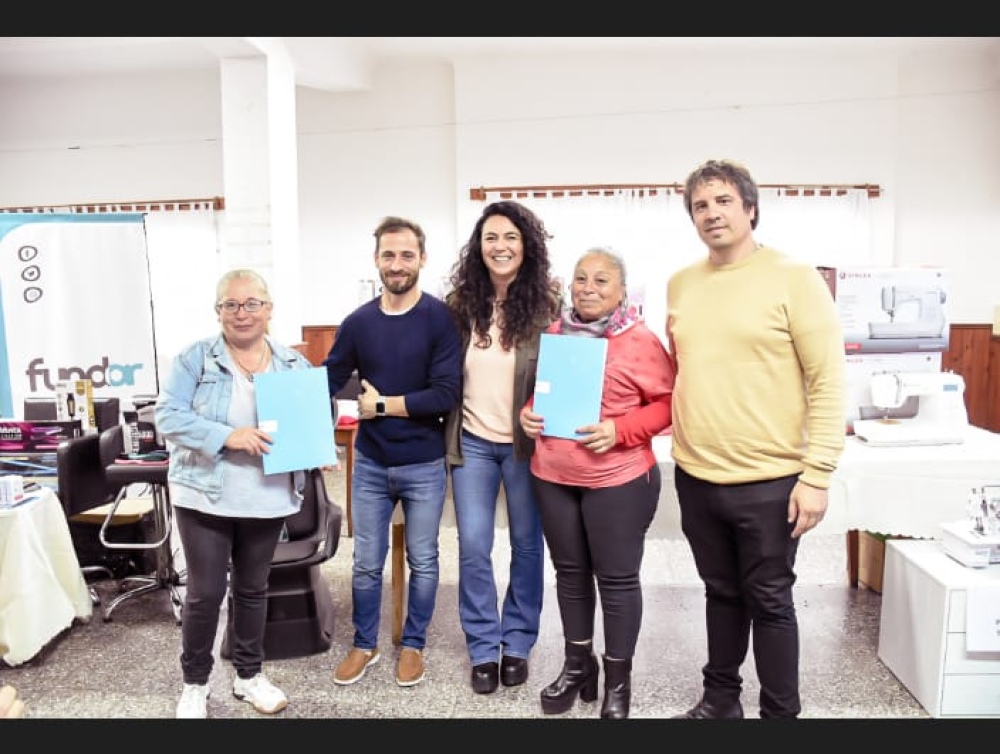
<point x="617" y="689"/>
<point x="485" y="677"/>
<point x="578" y="676"/>
<point x="513" y="670"/>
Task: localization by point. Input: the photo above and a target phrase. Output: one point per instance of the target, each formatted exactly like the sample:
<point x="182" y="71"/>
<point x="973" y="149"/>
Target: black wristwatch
<point x="380" y="407"/>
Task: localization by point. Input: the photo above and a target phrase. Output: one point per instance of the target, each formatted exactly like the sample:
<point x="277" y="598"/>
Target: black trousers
<point x="210" y="543"/>
<point x="599" y="535"/>
<point x="744" y="552"/>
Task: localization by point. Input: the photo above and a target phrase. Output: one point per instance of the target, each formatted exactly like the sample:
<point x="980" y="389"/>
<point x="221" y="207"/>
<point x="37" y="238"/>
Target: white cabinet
<point x="922" y="630"/>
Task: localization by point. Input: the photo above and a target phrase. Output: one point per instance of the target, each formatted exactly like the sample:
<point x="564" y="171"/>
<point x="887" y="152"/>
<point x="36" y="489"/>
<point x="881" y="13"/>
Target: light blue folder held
<point x="569" y="382"/>
<point x="294" y="408"/>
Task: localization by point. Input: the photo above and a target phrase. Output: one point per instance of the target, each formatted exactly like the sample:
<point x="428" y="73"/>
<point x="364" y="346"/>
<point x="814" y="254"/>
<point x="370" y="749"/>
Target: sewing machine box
<point x="891" y="309"/>
<point x="858" y="371"/>
<point x="35" y="436"/>
<point x="75" y="400"/>
<point x="969" y="547"/>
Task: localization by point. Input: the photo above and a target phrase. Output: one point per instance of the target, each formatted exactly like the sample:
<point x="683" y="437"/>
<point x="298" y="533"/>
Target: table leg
<point x="398" y="580"/>
<point x="349" y="485"/>
<point x="346" y="436"/>
<point x="852" y="558"/>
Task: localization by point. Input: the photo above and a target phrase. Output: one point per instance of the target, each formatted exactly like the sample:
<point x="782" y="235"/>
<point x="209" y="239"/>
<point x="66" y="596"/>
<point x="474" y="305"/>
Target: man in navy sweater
<point x="407" y="351"/>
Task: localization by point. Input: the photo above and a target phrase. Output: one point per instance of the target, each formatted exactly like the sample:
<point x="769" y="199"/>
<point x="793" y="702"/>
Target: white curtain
<point x="829" y="231"/>
<point x="655" y="236"/>
<point x="184" y="265"/>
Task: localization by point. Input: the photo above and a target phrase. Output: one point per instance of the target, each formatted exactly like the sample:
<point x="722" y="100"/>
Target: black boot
<point x="617" y="688"/>
<point x="579" y="675"/>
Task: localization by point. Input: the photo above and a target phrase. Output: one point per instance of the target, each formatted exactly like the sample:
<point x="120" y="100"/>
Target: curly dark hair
<point x="531" y="298"/>
<point x="727" y="171"/>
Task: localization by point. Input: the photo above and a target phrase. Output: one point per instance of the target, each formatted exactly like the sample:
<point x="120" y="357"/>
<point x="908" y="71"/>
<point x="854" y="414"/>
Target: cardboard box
<point x="75" y="400"/>
<point x="891" y="309"/>
<point x="871" y="559"/>
<point x="858" y="371"/>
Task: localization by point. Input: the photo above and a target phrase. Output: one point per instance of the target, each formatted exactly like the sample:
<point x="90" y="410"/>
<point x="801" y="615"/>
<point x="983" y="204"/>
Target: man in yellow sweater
<point x="758" y="429"/>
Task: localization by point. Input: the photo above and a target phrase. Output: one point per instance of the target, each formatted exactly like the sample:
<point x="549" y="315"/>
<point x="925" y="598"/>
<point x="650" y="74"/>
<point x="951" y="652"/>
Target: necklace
<point x="247" y="371"/>
<point x="496" y="318"/>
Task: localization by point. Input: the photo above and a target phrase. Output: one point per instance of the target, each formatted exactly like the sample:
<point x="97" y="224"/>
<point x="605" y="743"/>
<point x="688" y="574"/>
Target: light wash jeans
<point x="475" y="487"/>
<point x="420" y="488"/>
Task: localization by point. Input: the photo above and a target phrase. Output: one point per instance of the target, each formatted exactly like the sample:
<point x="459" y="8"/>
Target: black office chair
<point x="121" y="476"/>
<point x="300" y="611"/>
<point x="81" y="487"/>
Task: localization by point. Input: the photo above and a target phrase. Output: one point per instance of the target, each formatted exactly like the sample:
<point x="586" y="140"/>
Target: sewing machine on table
<point x="941" y="417"/>
<point x="925" y="302"/>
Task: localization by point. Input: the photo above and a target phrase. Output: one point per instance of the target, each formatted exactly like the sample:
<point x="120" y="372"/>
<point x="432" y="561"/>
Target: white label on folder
<point x="543" y="386"/>
<point x="268" y="425"/>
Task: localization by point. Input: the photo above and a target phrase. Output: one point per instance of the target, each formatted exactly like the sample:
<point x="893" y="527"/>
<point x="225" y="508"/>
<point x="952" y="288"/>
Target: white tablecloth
<point x="42" y="589"/>
<point x="907" y="491"/>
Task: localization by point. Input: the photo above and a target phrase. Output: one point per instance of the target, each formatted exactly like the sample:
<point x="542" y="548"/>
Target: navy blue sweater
<point x="417" y="355"/>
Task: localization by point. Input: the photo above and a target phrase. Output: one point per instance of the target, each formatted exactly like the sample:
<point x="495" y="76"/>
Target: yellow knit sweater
<point x="760" y="371"/>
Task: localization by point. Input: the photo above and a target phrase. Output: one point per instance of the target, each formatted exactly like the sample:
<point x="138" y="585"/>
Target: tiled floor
<point x="128" y="668"/>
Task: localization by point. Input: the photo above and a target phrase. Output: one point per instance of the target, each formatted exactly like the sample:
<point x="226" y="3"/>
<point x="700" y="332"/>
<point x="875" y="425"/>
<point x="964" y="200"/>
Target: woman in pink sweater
<point x="597" y="494"/>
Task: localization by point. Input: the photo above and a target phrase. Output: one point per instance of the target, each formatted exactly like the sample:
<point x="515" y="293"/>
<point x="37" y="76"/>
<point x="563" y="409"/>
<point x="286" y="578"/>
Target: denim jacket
<point x="192" y="410"/>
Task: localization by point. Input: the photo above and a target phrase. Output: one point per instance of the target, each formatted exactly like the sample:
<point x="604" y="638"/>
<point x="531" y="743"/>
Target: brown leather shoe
<point x="353" y="668"/>
<point x="410" y="669"/>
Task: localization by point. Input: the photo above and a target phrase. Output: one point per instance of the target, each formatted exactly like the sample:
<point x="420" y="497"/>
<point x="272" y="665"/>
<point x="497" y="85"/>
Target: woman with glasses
<point x="227" y="510"/>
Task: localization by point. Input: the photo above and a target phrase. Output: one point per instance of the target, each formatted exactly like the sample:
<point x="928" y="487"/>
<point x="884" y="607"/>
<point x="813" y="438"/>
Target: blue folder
<point x="294" y="408"/>
<point x="569" y="382"/>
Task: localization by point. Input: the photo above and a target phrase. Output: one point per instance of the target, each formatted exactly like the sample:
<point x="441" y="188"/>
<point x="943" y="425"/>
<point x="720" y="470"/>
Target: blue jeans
<point x="420" y="487"/>
<point x="475" y="486"/>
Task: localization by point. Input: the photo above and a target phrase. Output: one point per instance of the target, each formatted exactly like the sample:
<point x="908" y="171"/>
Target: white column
<point x="260" y="152"/>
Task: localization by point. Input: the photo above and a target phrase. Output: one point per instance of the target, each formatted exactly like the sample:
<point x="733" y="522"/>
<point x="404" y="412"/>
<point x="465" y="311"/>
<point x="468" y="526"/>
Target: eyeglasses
<point x="251" y="305"/>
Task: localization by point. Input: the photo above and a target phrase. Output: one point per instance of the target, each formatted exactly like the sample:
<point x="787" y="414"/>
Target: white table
<point x="42" y="589"/>
<point x="903" y="491"/>
<point x="924" y="626"/>
<point x="906" y="491"/>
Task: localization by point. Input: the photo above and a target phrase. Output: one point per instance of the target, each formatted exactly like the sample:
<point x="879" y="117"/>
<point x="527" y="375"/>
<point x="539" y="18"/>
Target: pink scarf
<point x="620" y="320"/>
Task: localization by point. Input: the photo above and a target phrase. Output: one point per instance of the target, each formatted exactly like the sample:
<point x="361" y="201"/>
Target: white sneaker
<point x="261" y="693"/>
<point x="193" y="702"/>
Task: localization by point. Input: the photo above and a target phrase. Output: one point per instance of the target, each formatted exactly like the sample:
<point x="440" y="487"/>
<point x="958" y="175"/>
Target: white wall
<point x="423" y="135"/>
<point x="363" y="156"/>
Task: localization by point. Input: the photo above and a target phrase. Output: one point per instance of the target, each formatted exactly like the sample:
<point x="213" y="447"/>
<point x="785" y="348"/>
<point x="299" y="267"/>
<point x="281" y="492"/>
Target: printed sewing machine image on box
<point x="891" y="309"/>
<point x="858" y="371"/>
<point x="941" y="417"/>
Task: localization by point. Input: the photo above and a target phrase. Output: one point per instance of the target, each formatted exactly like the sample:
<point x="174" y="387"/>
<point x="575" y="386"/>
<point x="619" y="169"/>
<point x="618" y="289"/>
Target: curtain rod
<point x="156" y="205"/>
<point x="606" y="189"/>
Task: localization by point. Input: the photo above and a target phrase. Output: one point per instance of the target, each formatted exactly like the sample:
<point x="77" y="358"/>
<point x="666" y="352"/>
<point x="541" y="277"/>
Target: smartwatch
<point x="380" y="407"/>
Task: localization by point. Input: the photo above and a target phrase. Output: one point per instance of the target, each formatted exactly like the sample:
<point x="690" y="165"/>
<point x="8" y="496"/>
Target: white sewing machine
<point x="941" y="417"/>
<point x="914" y="312"/>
